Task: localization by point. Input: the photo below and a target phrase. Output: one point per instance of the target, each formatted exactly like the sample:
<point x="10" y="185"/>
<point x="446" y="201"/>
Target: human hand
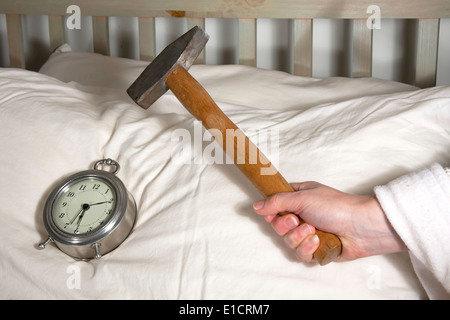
<point x="359" y="221"/>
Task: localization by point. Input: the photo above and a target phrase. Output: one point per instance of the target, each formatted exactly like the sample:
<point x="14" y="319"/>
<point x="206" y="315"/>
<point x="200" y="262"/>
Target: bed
<point x="196" y="235"/>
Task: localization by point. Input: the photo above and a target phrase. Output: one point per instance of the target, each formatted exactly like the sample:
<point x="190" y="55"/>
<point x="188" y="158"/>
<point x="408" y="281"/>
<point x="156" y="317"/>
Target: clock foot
<point x="43" y="244"/>
<point x="96" y="247"/>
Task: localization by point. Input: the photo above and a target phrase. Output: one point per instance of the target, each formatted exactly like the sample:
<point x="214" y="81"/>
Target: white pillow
<point x="235" y="84"/>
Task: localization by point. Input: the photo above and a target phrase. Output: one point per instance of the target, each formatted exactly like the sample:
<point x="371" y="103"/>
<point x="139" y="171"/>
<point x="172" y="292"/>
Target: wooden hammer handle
<point x="236" y="144"/>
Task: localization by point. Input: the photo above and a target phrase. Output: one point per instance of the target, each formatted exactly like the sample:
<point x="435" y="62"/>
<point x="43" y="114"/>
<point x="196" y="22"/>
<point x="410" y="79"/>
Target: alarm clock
<point x="89" y="213"/>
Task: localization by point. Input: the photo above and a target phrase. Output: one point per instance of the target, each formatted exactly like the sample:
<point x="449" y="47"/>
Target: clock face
<point x="84" y="205"/>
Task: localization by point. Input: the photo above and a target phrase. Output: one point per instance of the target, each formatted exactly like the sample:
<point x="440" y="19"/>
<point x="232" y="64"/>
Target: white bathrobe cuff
<point x="418" y="207"/>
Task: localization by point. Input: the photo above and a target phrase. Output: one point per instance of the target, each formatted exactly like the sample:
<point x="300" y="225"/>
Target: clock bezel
<point x="98" y="234"/>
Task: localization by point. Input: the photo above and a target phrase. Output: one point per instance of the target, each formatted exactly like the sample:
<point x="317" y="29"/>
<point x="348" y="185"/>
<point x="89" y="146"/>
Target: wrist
<point x="381" y="237"/>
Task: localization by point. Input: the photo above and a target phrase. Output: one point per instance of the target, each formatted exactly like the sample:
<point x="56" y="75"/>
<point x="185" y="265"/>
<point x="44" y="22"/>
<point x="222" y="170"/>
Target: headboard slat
<point x="247" y="42"/>
<point x="15" y="41"/>
<point x="303" y="47"/>
<point x="426" y="52"/>
<point x="192" y="22"/>
<point x="101" y="34"/>
<point x="147" y="38"/>
<point x="56" y="31"/>
<point x="361" y="49"/>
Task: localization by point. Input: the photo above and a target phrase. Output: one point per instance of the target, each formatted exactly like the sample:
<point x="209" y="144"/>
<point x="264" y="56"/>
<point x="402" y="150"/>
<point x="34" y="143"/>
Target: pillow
<point x="197" y="236"/>
<point x="234" y="84"/>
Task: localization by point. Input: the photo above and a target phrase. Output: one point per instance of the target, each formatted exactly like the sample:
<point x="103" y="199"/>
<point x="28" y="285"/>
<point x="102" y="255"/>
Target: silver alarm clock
<point x="89" y="213"/>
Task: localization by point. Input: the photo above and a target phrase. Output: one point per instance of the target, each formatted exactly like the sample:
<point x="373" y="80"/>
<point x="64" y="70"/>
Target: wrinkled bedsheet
<point x="196" y="235"/>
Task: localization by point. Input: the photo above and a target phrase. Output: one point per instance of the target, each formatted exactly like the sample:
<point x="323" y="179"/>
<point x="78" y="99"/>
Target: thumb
<point x="280" y="202"/>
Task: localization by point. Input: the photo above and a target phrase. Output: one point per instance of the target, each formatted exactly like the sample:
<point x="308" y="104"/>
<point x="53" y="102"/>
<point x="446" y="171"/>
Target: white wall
<point x="392" y="44"/>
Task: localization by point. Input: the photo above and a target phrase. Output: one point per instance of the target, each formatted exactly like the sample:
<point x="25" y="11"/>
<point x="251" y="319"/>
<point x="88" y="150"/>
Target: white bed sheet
<point x="197" y="236"/>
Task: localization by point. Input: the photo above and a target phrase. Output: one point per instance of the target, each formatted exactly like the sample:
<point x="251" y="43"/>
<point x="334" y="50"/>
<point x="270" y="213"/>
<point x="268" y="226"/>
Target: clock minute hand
<point x="94" y="204"/>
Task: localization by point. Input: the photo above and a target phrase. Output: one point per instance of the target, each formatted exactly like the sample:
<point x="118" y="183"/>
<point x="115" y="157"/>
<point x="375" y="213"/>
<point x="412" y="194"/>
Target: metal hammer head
<point x="151" y="84"/>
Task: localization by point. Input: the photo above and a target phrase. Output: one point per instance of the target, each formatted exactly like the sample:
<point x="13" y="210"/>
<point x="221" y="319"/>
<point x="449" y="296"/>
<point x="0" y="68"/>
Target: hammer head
<point x="151" y="84"/>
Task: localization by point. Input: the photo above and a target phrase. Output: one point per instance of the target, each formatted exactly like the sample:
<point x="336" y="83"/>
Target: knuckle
<point x="279" y="226"/>
<point x="274" y="201"/>
<point x="305" y="250"/>
<point x="290" y="241"/>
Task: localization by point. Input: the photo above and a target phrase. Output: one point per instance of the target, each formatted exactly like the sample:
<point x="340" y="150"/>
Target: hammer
<point x="169" y="71"/>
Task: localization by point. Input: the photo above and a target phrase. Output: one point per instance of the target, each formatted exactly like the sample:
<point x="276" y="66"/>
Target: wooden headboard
<point x="427" y="14"/>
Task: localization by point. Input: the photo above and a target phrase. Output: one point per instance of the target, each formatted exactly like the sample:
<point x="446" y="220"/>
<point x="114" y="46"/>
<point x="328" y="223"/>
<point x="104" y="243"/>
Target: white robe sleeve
<point x="418" y="207"/>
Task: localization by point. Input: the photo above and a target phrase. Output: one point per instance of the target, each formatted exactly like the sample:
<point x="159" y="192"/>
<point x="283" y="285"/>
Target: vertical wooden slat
<point x="101" y="35"/>
<point x="247" y="42"/>
<point x="362" y="49"/>
<point x="56" y="31"/>
<point x="303" y="47"/>
<point x="15" y="41"/>
<point x="147" y="38"/>
<point x="192" y="22"/>
<point x="426" y="52"/>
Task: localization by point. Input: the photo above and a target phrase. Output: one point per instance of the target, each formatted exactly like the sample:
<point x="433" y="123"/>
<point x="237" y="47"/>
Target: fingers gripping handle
<point x="198" y="102"/>
<point x="330" y="246"/>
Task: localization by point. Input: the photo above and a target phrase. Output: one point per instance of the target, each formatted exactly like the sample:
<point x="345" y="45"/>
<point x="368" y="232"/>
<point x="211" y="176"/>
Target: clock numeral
<point x="82" y="187"/>
<point x="107" y="191"/>
<point x="96" y="186"/>
<point x="64" y="204"/>
<point x="62" y="215"/>
<point x="70" y="194"/>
